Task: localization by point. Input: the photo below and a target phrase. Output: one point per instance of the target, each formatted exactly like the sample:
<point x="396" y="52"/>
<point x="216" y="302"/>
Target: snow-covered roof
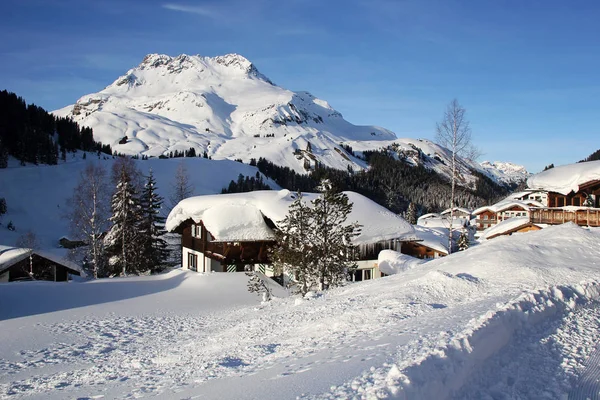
<point x="428" y="216"/>
<point x="443" y="222"/>
<point x="436" y="239"/>
<point x="459" y="209"/>
<point x="565" y="178"/>
<point x="506" y="204"/>
<point x="239" y="216"/>
<point x="505" y="226"/>
<point x="10" y="255"/>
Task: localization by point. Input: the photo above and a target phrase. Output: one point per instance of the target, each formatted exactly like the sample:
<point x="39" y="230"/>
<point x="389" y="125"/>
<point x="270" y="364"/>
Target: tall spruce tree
<point x="123" y="239"/>
<point x="331" y="238"/>
<point x="151" y="228"/>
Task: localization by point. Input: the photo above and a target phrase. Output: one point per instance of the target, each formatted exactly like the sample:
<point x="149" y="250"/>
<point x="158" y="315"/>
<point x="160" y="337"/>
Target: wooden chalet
<point x="202" y="252"/>
<point x="510" y="226"/>
<point x="588" y="193"/>
<point x="489" y="216"/>
<point x="19" y="264"/>
<point x="225" y="233"/>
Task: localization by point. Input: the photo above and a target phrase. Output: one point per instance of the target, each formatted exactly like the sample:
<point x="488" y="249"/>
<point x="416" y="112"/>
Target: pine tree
<point x="151" y="228"/>
<point x="3" y="155"/>
<point x="294" y="254"/>
<point x="411" y="214"/>
<point x="331" y="238"/>
<point x="257" y="284"/>
<point x="463" y="241"/>
<point x="123" y="239"/>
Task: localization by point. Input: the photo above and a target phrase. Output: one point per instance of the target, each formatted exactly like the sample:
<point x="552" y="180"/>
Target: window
<point x="367" y="274"/>
<point x="196" y="231"/>
<point x="560" y="202"/>
<point x="192" y="262"/>
<point x="485" y="217"/>
<point x="576" y="201"/>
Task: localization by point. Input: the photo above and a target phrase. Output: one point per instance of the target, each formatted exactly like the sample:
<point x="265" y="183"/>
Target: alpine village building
<point x="227" y="232"/>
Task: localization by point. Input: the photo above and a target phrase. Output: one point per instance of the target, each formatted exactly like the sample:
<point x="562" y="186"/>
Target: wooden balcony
<point x="556" y="216"/>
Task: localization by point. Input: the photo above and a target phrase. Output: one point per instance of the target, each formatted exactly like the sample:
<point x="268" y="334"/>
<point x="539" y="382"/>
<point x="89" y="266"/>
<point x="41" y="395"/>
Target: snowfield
<point x="516" y="317"/>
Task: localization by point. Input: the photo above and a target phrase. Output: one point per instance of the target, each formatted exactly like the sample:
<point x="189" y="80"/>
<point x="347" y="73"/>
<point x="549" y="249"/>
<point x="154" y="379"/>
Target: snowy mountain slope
<point x="427" y="333"/>
<point x="36" y="195"/>
<point x="221" y="105"/>
<point x="505" y="171"/>
<point x="439" y="159"/>
<point x="224" y="106"/>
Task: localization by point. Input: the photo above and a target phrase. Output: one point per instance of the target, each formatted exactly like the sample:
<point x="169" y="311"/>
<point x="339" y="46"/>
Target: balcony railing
<point x="554" y="216"/>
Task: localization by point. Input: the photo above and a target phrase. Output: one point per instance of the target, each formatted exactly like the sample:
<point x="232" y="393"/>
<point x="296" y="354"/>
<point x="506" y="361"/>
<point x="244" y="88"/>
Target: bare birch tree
<point x="89" y="209"/>
<point x="454" y="133"/>
<point x="181" y="187"/>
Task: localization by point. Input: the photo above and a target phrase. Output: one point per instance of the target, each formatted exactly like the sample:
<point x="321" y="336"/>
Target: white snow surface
<point x="378" y="223"/>
<point x="565" y="178"/>
<point x="393" y="262"/>
<point x="477" y="324"/>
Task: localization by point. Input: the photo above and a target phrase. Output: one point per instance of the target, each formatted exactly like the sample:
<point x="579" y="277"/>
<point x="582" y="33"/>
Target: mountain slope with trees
<point x="32" y="135"/>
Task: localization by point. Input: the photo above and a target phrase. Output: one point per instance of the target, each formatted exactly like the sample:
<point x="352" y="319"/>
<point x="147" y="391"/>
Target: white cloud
<point x="199" y="10"/>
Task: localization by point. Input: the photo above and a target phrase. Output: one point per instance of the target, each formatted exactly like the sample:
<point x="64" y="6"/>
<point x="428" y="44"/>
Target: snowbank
<point x="566" y="178"/>
<point x="391" y="262"/>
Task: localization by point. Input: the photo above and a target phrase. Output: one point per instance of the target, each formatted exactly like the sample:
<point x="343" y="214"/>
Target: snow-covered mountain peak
<point x="506" y="171"/>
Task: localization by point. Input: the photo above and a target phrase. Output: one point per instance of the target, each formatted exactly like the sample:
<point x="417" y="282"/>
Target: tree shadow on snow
<point x="21" y="299"/>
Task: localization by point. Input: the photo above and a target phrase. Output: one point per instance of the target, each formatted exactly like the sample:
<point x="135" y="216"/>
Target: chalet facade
<point x="488" y="216"/>
<point x="510" y="226"/>
<point x="227" y="232"/>
<point x="19" y="264"/>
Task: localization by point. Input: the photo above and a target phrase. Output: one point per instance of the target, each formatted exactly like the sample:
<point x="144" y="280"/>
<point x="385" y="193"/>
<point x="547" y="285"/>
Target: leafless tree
<point x="181" y="186"/>
<point x="454" y="133"/>
<point x="89" y="209"/>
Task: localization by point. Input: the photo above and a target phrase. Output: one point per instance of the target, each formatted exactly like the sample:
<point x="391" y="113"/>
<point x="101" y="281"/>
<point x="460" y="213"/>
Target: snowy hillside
<point x="473" y="325"/>
<point x="223" y="106"/>
<point x="36" y="195"/>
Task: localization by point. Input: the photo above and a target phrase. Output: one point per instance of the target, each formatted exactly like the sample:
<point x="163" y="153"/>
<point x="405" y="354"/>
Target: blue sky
<point x="528" y="72"/>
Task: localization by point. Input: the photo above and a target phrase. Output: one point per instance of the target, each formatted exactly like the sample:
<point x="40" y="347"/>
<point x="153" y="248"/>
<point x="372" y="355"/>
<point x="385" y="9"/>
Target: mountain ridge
<point x="226" y="108"/>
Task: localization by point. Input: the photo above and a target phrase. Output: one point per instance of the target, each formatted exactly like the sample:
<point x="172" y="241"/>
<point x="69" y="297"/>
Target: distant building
<point x="18" y="264"/>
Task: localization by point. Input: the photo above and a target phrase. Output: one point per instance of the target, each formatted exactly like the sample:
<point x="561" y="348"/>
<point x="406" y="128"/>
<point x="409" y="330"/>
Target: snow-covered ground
<point x="512" y="318"/>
